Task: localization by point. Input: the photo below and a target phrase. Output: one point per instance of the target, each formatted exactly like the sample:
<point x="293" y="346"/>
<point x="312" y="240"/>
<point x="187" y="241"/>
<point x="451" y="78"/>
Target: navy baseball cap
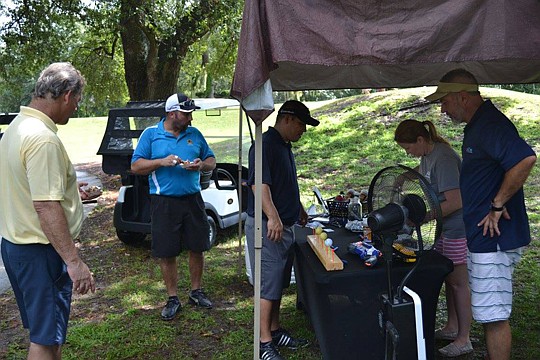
<point x="296" y="108"/>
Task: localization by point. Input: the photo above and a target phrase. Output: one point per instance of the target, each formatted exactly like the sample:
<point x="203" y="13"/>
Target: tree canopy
<point x="127" y="49"/>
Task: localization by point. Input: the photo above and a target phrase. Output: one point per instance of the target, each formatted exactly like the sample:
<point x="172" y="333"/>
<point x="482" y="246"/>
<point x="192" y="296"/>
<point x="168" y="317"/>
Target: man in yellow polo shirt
<point x="41" y="211"/>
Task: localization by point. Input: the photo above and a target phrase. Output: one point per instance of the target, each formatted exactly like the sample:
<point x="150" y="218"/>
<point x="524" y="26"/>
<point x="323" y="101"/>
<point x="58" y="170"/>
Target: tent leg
<point x="258" y="241"/>
<point x="240" y="199"/>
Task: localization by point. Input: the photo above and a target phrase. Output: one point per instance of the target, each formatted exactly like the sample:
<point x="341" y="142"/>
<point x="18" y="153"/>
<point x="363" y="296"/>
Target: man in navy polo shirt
<point x="172" y="154"/>
<point x="496" y="164"/>
<point x="281" y="210"/>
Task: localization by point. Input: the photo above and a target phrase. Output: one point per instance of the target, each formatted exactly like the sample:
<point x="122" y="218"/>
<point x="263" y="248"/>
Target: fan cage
<point x="391" y="184"/>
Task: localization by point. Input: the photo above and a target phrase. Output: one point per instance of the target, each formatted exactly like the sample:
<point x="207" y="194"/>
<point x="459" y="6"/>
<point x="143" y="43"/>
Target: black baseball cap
<point x="299" y="110"/>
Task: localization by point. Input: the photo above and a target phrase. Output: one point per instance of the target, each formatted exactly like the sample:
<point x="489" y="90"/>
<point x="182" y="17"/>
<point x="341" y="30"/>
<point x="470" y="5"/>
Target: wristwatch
<point x="496" y="208"/>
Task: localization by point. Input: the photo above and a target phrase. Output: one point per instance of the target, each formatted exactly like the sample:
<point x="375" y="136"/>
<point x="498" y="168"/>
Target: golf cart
<point x="219" y="188"/>
<point x="5" y="119"/>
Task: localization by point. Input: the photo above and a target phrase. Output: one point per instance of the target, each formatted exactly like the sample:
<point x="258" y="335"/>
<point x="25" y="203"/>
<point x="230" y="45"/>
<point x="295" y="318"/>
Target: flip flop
<point x="453" y="350"/>
<point x="445" y="335"/>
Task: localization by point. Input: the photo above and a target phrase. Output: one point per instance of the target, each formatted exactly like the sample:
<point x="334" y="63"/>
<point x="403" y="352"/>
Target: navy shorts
<point x="42" y="288"/>
<point x="178" y="223"/>
<point x="276" y="259"/>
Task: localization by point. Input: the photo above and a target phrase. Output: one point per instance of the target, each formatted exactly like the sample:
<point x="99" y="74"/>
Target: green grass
<point x="353" y="142"/>
<point x="82" y="136"/>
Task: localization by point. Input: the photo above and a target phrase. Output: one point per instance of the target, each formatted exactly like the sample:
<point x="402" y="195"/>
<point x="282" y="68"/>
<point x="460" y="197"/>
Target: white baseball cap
<point x="180" y="102"/>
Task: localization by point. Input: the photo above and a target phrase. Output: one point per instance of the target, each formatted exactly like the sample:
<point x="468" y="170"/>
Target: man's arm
<point x="275" y="226"/>
<point x="146" y="166"/>
<point x="54" y="224"/>
<point x="512" y="182"/>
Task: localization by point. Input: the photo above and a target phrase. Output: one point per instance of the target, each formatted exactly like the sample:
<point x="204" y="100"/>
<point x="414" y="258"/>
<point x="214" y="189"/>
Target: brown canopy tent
<point x="318" y="44"/>
<point x="322" y="44"/>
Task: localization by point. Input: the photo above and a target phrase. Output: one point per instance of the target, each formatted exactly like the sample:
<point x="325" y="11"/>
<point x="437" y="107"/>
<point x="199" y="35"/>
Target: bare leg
<point x="452" y="321"/>
<point x="498" y="339"/>
<point x="266" y="319"/>
<point x="275" y="314"/>
<point x="196" y="264"/>
<point x="458" y="281"/>
<point x="44" y="352"/>
<point x="169" y="271"/>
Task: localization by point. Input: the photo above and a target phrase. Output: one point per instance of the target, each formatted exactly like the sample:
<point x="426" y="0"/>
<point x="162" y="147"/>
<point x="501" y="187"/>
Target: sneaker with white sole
<point x="282" y="338"/>
<point x="198" y="298"/>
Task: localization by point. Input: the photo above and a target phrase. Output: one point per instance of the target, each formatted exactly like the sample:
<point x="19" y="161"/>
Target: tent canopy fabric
<point x="288" y="45"/>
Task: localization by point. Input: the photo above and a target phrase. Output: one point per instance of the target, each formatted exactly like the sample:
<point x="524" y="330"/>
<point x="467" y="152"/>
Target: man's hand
<point x="82" y="278"/>
<point x="171" y="160"/>
<point x="491" y="222"/>
<point x="275" y="229"/>
<point x="303" y="220"/>
<point x="195" y="165"/>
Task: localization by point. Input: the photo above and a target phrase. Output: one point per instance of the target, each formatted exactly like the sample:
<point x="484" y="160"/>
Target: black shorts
<point x="178" y="223"/>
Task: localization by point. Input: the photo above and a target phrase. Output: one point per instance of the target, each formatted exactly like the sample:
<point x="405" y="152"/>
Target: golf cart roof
<point x="210" y="104"/>
<point x="125" y="125"/>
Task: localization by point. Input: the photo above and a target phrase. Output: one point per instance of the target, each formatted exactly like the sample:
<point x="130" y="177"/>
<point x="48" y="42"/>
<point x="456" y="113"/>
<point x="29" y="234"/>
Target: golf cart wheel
<point x="213" y="230"/>
<point x="129" y="237"/>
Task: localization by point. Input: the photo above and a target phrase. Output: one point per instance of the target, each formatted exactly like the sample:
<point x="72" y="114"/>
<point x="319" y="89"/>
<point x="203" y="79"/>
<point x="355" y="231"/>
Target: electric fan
<point x="403" y="195"/>
<point x="405" y="215"/>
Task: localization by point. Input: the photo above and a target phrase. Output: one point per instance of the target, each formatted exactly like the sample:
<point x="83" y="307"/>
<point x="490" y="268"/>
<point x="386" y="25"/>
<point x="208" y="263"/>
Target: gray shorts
<point x="276" y="259"/>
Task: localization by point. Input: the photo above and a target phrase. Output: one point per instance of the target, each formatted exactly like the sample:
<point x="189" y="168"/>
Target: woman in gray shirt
<point x="440" y="165"/>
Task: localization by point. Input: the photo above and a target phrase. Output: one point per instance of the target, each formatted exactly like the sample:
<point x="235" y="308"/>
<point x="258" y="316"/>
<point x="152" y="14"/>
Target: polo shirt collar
<point x="161" y="126"/>
<point x="34" y="113"/>
<point x="276" y="137"/>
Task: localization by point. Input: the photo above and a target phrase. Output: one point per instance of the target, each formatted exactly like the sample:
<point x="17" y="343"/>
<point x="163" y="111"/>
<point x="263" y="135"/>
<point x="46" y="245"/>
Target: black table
<point x="343" y="305"/>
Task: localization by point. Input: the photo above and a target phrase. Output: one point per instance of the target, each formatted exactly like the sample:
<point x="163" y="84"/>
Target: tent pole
<point x="239" y="184"/>
<point x="258" y="240"/>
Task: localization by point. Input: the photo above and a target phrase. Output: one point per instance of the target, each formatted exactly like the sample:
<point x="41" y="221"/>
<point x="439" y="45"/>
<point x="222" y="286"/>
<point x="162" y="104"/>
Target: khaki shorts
<point x="490" y="278"/>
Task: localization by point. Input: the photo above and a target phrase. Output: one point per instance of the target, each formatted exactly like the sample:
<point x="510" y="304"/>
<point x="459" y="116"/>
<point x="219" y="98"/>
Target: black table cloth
<point x="343" y="305"/>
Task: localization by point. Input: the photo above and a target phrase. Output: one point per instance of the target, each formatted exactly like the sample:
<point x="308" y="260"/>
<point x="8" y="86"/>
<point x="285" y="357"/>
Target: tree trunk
<point x="151" y="66"/>
<point x="152" y="55"/>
